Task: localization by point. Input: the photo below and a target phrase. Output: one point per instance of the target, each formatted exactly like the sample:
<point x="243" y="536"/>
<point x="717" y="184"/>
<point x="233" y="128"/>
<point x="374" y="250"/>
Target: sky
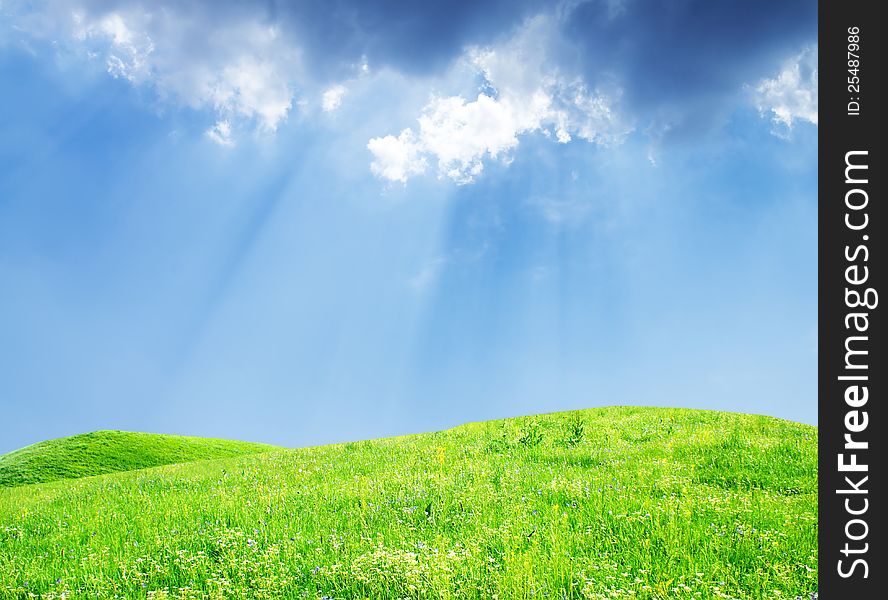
<point x="310" y="222"/>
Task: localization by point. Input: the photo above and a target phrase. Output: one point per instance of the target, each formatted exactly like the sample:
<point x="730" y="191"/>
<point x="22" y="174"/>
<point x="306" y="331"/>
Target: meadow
<point x="620" y="502"/>
<point x="103" y="452"/>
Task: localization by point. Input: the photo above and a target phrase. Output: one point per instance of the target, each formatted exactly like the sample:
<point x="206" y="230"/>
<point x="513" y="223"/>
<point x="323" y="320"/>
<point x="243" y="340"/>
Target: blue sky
<point x="311" y="222"/>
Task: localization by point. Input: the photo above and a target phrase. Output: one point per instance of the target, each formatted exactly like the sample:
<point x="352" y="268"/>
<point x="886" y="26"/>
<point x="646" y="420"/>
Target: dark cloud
<point x="412" y="36"/>
<point x="680" y="63"/>
<point x="680" y="59"/>
<point x="664" y="48"/>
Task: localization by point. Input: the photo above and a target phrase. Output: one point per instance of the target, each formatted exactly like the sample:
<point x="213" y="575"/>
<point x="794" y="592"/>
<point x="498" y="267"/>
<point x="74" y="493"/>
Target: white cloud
<point x="791" y="95"/>
<point x="252" y="88"/>
<point x="239" y="69"/>
<point x="460" y="134"/>
<point x="129" y="51"/>
<point x="521" y="94"/>
<point x="244" y="73"/>
<point x="221" y="133"/>
<point x="332" y="97"/>
<point x="396" y="158"/>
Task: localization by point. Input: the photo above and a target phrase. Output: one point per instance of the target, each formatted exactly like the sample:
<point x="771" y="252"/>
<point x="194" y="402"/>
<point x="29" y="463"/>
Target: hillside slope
<point x="620" y="502"/>
<point x="104" y="452"/>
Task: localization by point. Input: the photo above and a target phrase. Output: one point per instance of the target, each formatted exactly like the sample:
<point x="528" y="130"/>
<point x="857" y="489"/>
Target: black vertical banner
<point x="853" y="372"/>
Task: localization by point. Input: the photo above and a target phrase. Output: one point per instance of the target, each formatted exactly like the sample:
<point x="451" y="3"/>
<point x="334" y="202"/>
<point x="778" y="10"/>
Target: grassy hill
<point x="605" y="503"/>
<point x="104" y="452"/>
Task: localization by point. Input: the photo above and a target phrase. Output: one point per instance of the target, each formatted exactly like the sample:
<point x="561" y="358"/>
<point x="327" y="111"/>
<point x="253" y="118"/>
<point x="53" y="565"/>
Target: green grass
<point x="605" y="503"/>
<point x="104" y="452"/>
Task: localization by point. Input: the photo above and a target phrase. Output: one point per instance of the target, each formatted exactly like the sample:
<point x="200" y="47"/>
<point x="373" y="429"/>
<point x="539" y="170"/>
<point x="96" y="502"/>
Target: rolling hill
<point x="103" y="452"/>
<point x="620" y="502"/>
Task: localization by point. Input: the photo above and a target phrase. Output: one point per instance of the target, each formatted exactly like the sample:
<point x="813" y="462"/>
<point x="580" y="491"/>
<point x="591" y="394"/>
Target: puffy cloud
<point x="250" y="87"/>
<point x="239" y="68"/>
<point x="792" y="94"/>
<point x="129" y="51"/>
<point x="522" y="92"/>
<point x="221" y="133"/>
<point x="193" y="43"/>
<point x="459" y="133"/>
<point x="573" y="71"/>
<point x="397" y="158"/>
<point x="332" y="97"/>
